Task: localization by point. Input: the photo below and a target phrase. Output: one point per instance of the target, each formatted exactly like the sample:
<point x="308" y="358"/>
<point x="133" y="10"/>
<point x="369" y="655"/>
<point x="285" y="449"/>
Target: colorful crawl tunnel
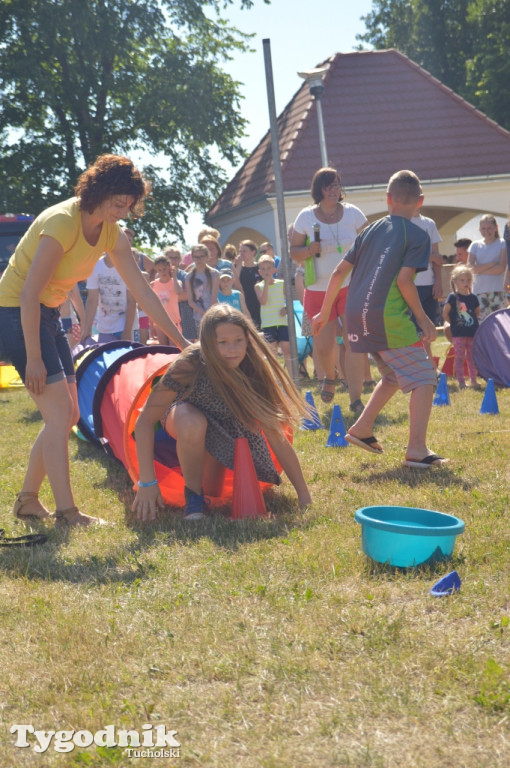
<point x="112" y="395"/>
<point x="91" y="363"/>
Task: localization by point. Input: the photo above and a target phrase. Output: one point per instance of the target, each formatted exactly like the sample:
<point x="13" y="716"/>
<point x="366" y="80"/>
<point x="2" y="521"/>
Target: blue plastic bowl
<point x="407" y="536"/>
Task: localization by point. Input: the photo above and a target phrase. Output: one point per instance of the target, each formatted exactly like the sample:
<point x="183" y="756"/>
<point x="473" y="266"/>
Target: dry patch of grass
<point x="273" y="643"/>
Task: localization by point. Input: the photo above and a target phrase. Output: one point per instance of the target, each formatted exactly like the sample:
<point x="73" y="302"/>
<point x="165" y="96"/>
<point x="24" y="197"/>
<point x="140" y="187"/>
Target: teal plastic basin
<point x="407" y="536"/>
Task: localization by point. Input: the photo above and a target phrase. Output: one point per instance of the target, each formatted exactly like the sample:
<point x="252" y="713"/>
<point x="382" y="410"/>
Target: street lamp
<point x="314" y="78"/>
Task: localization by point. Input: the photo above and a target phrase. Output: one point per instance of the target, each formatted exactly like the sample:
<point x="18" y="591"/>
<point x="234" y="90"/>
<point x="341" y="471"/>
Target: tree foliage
<point x="136" y="77"/>
<point x="464" y="43"/>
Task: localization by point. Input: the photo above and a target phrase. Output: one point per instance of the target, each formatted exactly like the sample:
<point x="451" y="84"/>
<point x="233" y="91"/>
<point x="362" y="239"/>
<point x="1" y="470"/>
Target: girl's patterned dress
<point x="192" y="384"/>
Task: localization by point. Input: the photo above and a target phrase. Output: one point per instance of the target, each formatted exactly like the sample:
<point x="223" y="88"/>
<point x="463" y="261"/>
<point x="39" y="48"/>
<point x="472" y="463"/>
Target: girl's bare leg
<point x="285" y="347"/>
<point x="213" y="476"/>
<point x="188" y="426"/>
<point x="324" y="352"/>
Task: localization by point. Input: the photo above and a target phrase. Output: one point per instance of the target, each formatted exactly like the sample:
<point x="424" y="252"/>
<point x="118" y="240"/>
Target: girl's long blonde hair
<point x="258" y="392"/>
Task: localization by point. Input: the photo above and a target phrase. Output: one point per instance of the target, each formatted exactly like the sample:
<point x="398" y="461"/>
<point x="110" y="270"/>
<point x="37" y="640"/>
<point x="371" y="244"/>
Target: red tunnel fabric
<point x="118" y="400"/>
<point x="118" y="387"/>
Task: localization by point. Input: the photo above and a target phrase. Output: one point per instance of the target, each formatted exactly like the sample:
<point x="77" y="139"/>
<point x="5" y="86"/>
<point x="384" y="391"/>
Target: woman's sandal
<point x="327" y="397"/>
<point x="25" y="498"/>
<point x="73" y="516"/>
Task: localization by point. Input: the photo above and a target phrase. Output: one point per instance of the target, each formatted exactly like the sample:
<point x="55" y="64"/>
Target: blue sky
<point x="301" y="35"/>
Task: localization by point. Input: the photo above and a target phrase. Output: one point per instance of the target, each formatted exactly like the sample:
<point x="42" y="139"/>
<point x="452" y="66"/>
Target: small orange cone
<point x="247" y="499"/>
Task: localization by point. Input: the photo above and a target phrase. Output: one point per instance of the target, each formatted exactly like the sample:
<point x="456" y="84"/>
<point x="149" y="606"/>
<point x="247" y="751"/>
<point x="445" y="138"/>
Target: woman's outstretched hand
<point x="146" y="503"/>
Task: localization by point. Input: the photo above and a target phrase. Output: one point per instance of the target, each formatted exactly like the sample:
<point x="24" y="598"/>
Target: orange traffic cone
<point x="247" y="499"/>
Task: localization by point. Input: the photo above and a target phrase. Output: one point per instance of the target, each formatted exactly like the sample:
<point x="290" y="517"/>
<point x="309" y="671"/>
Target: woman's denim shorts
<point x="55" y="351"/>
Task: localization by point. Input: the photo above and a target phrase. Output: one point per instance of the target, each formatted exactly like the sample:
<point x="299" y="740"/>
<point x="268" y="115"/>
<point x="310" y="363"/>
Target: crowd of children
<point x="231" y="308"/>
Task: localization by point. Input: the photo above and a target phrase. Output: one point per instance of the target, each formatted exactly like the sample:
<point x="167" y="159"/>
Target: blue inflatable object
<point x="407" y="536"/>
<point x="88" y="375"/>
<point x="447" y="585"/>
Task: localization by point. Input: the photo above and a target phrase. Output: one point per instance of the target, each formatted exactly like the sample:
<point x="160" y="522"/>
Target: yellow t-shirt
<point x="62" y="222"/>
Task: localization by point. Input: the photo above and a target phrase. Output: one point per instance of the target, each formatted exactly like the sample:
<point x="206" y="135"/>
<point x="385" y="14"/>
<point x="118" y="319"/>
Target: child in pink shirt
<point x="168" y="288"/>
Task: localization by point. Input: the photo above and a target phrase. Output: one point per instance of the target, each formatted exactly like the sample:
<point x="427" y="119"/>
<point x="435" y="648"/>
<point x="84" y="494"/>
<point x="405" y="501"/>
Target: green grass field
<point x="268" y="643"/>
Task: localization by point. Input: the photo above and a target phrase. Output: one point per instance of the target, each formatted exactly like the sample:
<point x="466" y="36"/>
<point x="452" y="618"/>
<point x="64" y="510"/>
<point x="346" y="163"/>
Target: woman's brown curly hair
<point x="111" y="175"/>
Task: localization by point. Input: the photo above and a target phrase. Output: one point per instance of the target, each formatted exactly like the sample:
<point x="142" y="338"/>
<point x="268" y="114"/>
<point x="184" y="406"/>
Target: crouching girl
<point x="227" y="386"/>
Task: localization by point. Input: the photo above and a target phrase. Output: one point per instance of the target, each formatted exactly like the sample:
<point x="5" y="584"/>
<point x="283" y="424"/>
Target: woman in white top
<point x="336" y="223"/>
<point x="488" y="260"/>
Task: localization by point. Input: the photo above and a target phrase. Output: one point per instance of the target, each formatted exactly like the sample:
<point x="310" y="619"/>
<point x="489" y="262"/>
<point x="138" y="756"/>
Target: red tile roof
<point x="382" y="112"/>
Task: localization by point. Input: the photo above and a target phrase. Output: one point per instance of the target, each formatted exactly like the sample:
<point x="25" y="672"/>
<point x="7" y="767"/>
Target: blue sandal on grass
<point x="197" y="506"/>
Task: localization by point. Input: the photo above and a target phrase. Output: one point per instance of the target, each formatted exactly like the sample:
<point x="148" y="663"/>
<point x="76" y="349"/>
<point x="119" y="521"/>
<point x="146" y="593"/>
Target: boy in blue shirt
<point x="384" y="260"/>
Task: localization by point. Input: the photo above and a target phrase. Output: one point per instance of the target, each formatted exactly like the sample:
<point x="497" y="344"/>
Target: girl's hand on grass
<point x="146" y="503"/>
<point x="304" y="500"/>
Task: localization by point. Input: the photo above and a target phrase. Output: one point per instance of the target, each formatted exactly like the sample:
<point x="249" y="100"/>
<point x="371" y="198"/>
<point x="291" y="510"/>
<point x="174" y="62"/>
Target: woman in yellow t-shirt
<point x="60" y="248"/>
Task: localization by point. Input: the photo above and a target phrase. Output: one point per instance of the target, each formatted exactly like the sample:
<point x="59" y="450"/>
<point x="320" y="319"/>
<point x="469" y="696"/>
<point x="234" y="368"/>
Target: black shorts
<point x="276" y="333"/>
<point x="55" y="351"/>
<point x="429" y="304"/>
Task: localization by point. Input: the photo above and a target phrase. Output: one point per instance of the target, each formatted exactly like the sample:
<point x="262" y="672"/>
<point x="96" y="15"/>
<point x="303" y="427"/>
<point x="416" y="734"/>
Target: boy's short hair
<point x="264" y="258"/>
<point x="463" y="242"/>
<point x="162" y="259"/>
<point x="264" y="246"/>
<point x="404" y="187"/>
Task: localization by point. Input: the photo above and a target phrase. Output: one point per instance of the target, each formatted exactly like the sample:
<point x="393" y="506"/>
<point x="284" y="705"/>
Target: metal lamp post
<point x="314" y="79"/>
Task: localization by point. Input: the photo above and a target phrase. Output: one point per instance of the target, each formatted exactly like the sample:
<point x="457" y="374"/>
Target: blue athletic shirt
<point x="377" y="317"/>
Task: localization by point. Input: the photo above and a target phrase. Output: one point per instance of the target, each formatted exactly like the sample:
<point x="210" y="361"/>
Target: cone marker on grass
<point x="442" y="396"/>
<point x="247" y="499"/>
<point x="489" y="402"/>
<point x="314" y="421"/>
<point x="336" y="438"/>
